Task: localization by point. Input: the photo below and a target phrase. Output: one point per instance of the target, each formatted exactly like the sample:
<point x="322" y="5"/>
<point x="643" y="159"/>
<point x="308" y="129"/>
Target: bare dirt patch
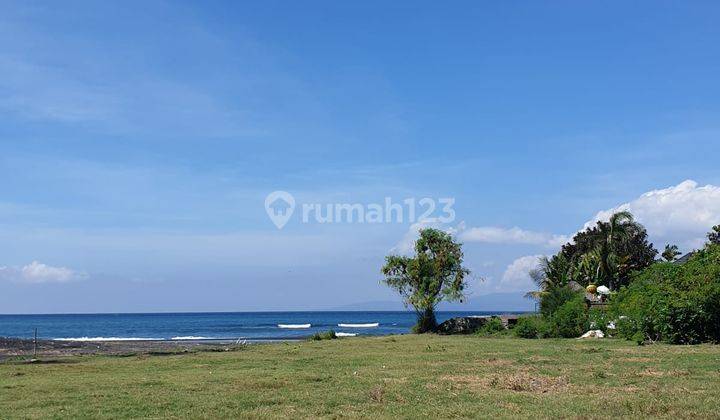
<point x="518" y="382"/>
<point x="493" y="361"/>
<point x="636" y="359"/>
<point x="659" y="373"/>
<point x="377" y="394"/>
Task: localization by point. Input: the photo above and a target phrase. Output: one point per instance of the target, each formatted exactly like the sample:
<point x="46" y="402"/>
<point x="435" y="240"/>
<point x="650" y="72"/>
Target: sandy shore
<point x="16" y="347"/>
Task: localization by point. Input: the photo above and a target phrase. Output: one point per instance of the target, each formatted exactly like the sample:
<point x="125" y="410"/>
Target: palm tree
<point x="671" y="252"/>
<point x="602" y="260"/>
<point x="550" y="273"/>
<point x="588" y="268"/>
<point x="619" y="228"/>
<point x="714" y="235"/>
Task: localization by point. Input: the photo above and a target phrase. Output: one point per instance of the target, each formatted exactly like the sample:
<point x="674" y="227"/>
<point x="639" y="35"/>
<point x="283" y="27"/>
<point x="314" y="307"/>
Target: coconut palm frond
<point x="535" y="294"/>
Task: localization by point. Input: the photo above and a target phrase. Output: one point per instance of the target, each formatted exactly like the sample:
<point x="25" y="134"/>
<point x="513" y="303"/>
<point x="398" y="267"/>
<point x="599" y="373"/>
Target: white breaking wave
<point x="191" y="337"/>
<point x="108" y="339"/>
<point x="342" y="334"/>
<point x="370" y="325"/>
<point x="294" y="326"/>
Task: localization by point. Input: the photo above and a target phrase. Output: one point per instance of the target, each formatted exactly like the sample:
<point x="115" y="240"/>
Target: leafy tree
<point x="435" y="273"/>
<point x="605" y="254"/>
<point x="671" y="252"/>
<point x="714" y="235"/>
<point x="609" y="252"/>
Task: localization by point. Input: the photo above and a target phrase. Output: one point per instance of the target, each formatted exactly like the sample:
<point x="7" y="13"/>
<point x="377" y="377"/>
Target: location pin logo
<point x="279" y="206"/>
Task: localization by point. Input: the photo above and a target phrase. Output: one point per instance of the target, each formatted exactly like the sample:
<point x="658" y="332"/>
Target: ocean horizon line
<point x="265" y="312"/>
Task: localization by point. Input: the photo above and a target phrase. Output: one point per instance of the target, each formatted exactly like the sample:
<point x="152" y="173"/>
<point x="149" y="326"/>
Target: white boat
<point x="294" y="326"/>
<point x="369" y="325"/>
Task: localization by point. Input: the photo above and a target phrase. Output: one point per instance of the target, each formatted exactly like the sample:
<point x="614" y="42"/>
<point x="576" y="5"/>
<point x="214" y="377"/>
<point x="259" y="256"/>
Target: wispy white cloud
<point x="514" y="235"/>
<point x="483" y="234"/>
<point x="37" y="272"/>
<point x="517" y="275"/>
<point x="50" y="77"/>
<point x="44" y="93"/>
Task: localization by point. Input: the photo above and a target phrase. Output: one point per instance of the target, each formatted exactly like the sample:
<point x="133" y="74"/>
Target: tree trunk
<point x="426" y="321"/>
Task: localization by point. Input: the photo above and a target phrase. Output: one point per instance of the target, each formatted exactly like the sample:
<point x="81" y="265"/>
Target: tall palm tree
<point x="620" y="227"/>
<point x="671" y="252"/>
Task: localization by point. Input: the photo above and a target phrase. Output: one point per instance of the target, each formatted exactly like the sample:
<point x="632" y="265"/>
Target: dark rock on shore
<point x="470" y="324"/>
<point x="462" y="325"/>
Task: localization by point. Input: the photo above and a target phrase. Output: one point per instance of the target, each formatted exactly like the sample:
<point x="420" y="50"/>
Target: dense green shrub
<point x="563" y="314"/>
<point x="493" y="326"/>
<point x="571" y="319"/>
<point x="327" y="335"/>
<point x="678" y="304"/>
<point x="554" y="298"/>
<point x="530" y="327"/>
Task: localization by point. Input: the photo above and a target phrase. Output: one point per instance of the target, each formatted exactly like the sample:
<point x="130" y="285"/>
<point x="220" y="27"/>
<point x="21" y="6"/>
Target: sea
<point x="212" y="326"/>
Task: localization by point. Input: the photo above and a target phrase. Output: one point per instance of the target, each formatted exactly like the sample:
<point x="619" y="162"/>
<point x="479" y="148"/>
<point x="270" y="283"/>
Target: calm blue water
<point x="208" y="326"/>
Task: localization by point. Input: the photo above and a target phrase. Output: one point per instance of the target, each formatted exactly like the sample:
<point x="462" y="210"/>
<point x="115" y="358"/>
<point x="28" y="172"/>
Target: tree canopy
<point x="670" y="253"/>
<point x="605" y="254"/>
<point x="435" y="273"/>
<point x="609" y="252"/>
<point x="714" y="235"/>
<point x="651" y="300"/>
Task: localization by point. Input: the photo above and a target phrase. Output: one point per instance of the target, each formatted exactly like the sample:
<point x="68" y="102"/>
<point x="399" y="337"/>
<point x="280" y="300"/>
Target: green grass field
<point x="400" y="376"/>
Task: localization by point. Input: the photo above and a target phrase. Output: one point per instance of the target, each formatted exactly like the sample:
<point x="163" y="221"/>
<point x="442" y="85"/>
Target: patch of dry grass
<point x="515" y="381"/>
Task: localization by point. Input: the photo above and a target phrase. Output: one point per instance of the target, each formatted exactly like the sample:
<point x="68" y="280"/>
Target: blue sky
<point x="138" y="141"/>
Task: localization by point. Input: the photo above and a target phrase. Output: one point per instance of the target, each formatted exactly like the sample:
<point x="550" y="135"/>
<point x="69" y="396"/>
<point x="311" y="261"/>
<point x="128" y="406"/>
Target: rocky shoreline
<point x="26" y="348"/>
